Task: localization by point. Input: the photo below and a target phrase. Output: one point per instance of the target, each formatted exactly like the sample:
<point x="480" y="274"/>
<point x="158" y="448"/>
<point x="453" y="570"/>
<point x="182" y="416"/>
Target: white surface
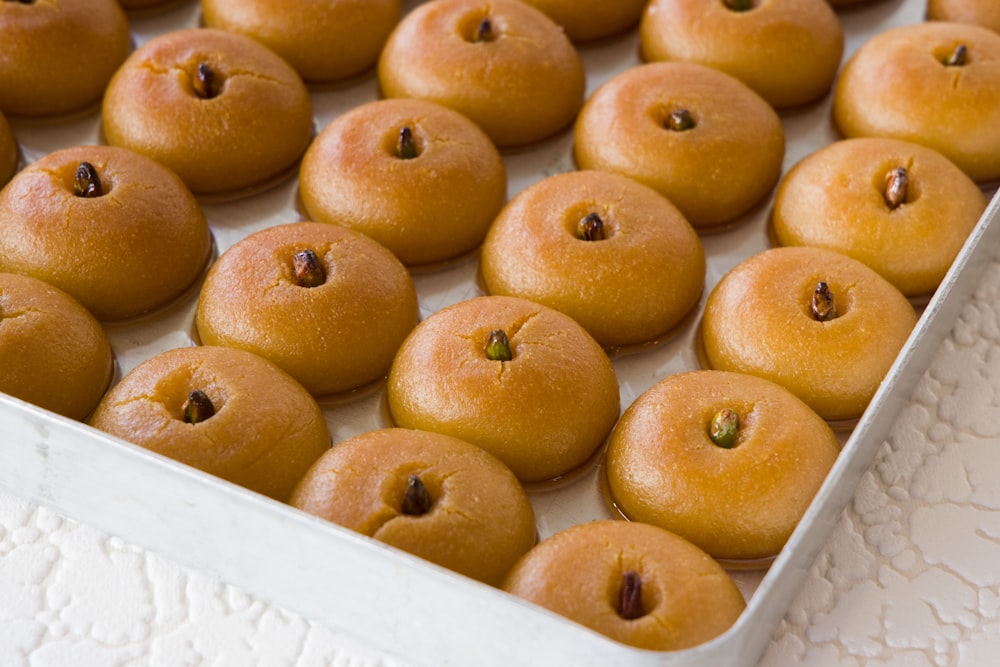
<point x="909" y="576"/>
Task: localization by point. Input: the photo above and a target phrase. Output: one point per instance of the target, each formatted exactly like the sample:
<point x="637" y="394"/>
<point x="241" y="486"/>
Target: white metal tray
<point x="367" y="590"/>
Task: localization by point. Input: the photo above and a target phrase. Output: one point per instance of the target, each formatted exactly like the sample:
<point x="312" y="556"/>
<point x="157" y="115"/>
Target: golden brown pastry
<point x="221" y="410"/>
<point x="503" y="64"/>
<point x="788" y="51"/>
<point x="936" y="84"/>
<point x="323" y="41"/>
<point x="59" y="55"/>
<point x="53" y="352"/>
<point x="901" y="208"/>
<point x="821" y="324"/>
<point x="728" y="461"/>
<point x="611" y="253"/>
<point x="220" y="109"/>
<point x="326" y="304"/>
<point x="584" y="20"/>
<point x="635" y="583"/>
<point x="419" y="178"/>
<point x="524" y="382"/>
<point x="113" y="228"/>
<point x="432" y="495"/>
<point x="979" y="12"/>
<point x="699" y="137"/>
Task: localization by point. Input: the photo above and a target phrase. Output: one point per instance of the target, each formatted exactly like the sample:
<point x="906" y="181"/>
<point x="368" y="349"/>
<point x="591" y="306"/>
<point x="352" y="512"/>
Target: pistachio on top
<point x="630" y="596"/>
<point x="680" y="120"/>
<point x="406" y="148"/>
<point x="958" y="57"/>
<point x="198" y="407"/>
<point x="497" y="346"/>
<point x="897" y="183"/>
<point x="725" y="428"/>
<point x="205" y="82"/>
<point x="484" y="31"/>
<point x="591" y="228"/>
<point x="86" y="182"/>
<point x="416" y="499"/>
<point x="824" y="308"/>
<point x="739" y="5"/>
<point x="307" y="270"/>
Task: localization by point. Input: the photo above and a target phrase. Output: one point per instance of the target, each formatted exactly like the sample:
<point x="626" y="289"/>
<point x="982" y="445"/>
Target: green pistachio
<point x="406" y="148"/>
<point x="198" y="407"/>
<point x="591" y="228"/>
<point x="725" y="428"/>
<point x="497" y="346"/>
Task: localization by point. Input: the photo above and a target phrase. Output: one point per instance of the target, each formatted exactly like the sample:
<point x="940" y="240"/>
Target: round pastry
<point x="635" y="583"/>
<point x="59" y="56"/>
<point x="979" y="12"/>
<point x="523" y="381"/>
<point x="591" y="19"/>
<point x="326" y="304"/>
<point x="903" y="209"/>
<point x="821" y="324"/>
<point x="9" y="152"/>
<point x="698" y="136"/>
<point x="53" y="352"/>
<point x="726" y="460"/>
<point x="218" y="108"/>
<point x="323" y="41"/>
<point x="609" y="252"/>
<point x="419" y="178"/>
<point x="788" y="51"/>
<point x="503" y="64"/>
<point x="113" y="228"/>
<point x="904" y="81"/>
<point x="432" y="495"/>
<point x="223" y="411"/>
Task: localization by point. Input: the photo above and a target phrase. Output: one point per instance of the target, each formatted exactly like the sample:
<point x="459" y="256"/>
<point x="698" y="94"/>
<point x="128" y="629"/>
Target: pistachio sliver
<point x="497" y="346"/>
<point x="416" y="499"/>
<point x="591" y="228"/>
<point x="484" y="31"/>
<point x="205" y="82"/>
<point x="198" y="407"/>
<point x="630" y="597"/>
<point x="86" y="182"/>
<point x="958" y="57"/>
<point x="680" y="120"/>
<point x="406" y="148"/>
<point x="897" y="182"/>
<point x="824" y="307"/>
<point x="308" y="269"/>
<point x="724" y="428"/>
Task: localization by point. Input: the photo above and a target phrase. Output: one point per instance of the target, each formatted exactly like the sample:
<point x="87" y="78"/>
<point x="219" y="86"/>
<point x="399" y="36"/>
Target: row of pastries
<point x="514" y="388"/>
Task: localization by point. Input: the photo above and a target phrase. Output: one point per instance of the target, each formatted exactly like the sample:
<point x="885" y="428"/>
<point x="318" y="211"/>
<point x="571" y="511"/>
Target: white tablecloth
<point x="909" y="577"/>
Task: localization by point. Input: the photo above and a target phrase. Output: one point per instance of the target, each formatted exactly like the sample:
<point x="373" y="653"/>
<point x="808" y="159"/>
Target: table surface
<point x="907" y="578"/>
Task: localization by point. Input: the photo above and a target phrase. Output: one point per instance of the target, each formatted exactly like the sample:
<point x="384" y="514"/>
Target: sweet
<point x="224" y="411"/>
<point x="787" y="51"/>
<point x="59" y="56"/>
<point x="9" y="152"/>
<point x="504" y="65"/>
<point x="114" y="229"/>
<point x="432" y="495"/>
<point x="635" y="583"/>
<point x="326" y="304"/>
<point x="726" y="460"/>
<point x="609" y="252"/>
<point x="222" y="111"/>
<point x="323" y="41"/>
<point x="524" y="382"/>
<point x="585" y="20"/>
<point x="419" y="178"/>
<point x="901" y="208"/>
<point x="904" y="81"/>
<point x="979" y="12"/>
<point x="53" y="352"/>
<point x="821" y="324"/>
<point x="697" y="136"/>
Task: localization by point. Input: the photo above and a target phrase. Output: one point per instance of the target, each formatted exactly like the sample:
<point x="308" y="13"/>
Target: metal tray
<point x="372" y="592"/>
